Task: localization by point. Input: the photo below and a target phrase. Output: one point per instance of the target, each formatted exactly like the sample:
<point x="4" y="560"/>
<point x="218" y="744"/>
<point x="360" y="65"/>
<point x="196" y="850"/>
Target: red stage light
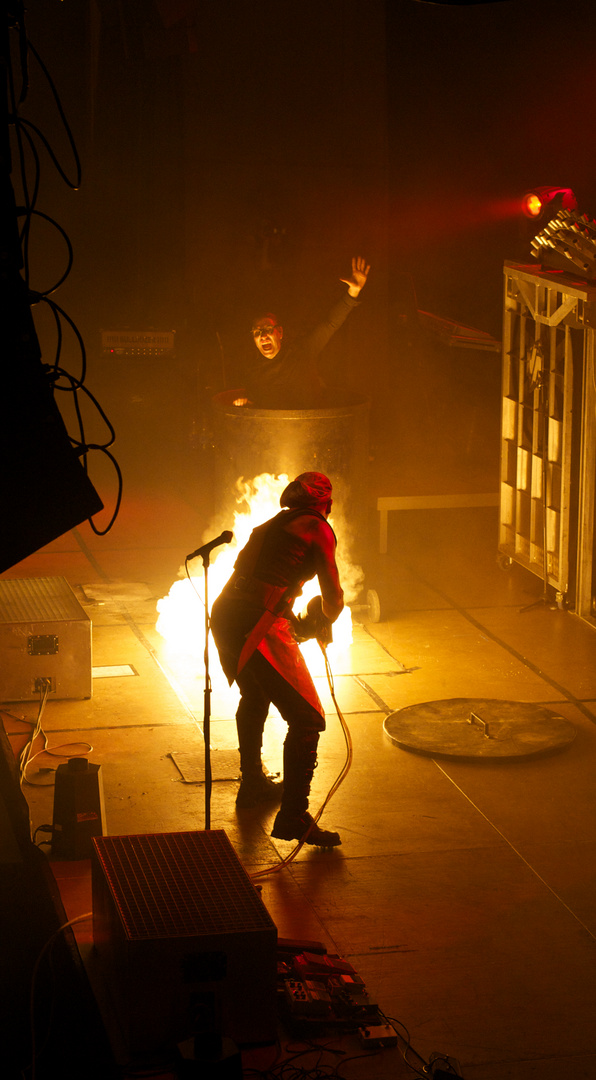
<point x="536" y="201"/>
<point x="532" y="205"/>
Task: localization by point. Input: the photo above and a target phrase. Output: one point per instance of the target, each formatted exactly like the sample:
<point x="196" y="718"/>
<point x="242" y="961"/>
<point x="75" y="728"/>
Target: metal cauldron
<point x="333" y="440"/>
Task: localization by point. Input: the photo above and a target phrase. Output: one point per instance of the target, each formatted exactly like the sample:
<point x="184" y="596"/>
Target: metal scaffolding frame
<point x="548" y="431"/>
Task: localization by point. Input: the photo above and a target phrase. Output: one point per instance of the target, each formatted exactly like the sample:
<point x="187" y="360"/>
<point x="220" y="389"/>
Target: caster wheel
<point x="374" y="607"/>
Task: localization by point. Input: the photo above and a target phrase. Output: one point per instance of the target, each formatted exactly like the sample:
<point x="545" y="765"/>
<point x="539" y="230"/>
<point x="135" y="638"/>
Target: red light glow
<point x="532" y="206"/>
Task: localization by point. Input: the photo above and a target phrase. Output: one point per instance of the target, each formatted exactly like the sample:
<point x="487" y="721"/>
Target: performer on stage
<point x="285" y="375"/>
<point x="257" y="637"/>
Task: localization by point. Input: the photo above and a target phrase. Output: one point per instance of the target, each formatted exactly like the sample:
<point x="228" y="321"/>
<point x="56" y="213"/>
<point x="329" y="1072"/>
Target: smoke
<point x="351" y="574"/>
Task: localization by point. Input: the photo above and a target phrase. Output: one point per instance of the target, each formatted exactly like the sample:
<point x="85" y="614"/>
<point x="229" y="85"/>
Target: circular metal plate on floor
<point x="479" y="728"/>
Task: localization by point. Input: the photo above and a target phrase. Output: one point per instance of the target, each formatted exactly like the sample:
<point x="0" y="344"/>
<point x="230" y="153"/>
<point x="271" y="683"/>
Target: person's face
<point x="267" y="336"/>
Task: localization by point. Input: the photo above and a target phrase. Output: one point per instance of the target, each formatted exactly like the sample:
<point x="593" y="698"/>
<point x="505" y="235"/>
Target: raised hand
<point x="357" y="281"/>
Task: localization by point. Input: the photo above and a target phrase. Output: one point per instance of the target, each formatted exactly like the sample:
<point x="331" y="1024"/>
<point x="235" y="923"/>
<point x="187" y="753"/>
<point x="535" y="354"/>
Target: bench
<point x="426" y="502"/>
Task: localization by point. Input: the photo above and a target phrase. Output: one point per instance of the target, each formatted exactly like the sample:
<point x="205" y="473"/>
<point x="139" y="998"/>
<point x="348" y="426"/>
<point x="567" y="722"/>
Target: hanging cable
<point x="36" y="730"/>
<point x="27" y="137"/>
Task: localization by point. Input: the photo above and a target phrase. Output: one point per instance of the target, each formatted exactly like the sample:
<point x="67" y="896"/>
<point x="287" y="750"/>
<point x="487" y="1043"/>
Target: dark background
<point x="237" y="154"/>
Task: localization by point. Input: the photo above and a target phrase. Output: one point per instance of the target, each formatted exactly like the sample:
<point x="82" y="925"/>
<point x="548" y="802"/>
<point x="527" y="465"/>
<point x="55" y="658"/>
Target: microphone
<point x="225" y="538"/>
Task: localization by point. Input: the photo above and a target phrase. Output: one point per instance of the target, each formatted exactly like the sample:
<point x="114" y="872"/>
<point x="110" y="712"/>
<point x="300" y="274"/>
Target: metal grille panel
<point x="180" y="885"/>
<point x="38" y="600"/>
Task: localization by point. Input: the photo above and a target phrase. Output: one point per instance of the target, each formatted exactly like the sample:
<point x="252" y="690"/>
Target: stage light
<point x="542" y="201"/>
<point x="532" y="205"/>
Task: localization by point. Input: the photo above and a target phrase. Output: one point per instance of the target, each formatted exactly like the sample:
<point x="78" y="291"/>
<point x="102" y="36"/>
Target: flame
<point x="181" y="614"/>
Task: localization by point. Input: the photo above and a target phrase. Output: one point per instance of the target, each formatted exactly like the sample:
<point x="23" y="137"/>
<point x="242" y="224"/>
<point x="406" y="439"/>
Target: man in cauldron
<point x="286" y="376"/>
<point x="257" y="638"/>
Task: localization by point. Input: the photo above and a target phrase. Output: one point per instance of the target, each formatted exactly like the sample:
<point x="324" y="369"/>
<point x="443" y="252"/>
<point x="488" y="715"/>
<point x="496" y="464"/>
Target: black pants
<point x="261" y="686"/>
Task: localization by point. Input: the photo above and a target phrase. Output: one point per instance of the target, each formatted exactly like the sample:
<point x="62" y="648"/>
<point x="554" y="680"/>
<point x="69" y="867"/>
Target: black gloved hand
<point x="314" y="624"/>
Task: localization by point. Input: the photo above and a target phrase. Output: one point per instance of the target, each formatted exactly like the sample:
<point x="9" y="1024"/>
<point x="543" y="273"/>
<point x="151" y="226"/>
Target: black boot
<point x="256" y="787"/>
<point x="293" y="822"/>
<point x="303" y="827"/>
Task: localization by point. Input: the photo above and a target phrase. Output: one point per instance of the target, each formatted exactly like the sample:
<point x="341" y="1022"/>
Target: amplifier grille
<point x="180" y="885"/>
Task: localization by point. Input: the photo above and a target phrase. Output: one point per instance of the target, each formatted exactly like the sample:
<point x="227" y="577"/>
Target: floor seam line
<point x="90" y="556"/>
<point x="382" y="706"/>
<point x="514" y="850"/>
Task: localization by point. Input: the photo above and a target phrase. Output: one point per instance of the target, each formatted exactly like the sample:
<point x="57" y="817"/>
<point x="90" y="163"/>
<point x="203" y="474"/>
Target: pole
<point x="207" y="702"/>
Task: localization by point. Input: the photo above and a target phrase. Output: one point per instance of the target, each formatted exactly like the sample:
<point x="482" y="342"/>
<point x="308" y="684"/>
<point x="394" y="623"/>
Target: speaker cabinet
<point x="183" y="939"/>
<point x="44" y="488"/>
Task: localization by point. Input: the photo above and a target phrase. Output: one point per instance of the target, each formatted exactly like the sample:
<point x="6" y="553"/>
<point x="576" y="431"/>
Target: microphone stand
<point x="205" y="551"/>
<point x="207" y="701"/>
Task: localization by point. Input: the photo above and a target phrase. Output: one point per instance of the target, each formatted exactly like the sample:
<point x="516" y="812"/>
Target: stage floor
<point x="464" y="890"/>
